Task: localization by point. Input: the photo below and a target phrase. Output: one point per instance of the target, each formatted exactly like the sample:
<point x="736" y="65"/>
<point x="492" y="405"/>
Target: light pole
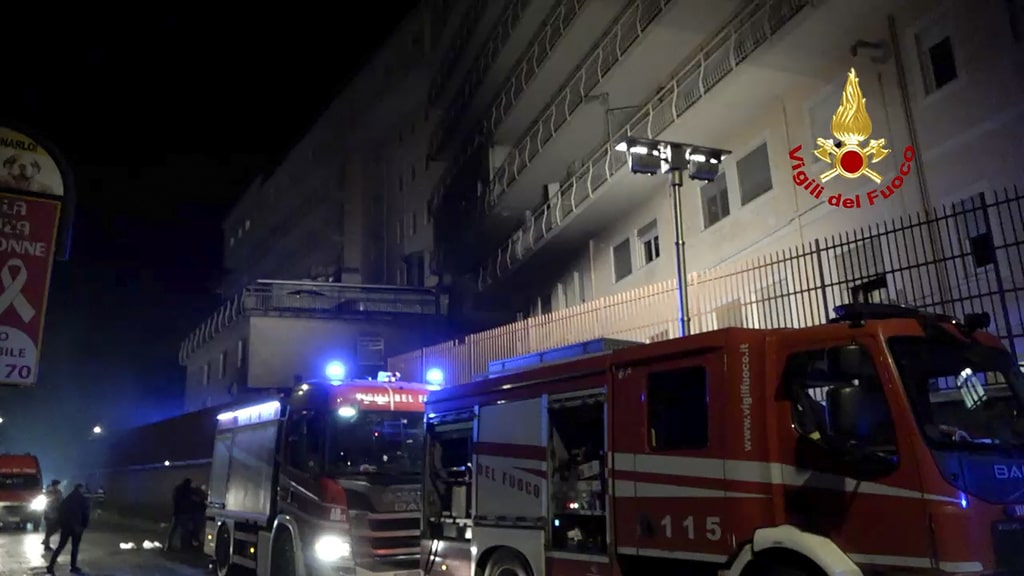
<point x="700" y="163"/>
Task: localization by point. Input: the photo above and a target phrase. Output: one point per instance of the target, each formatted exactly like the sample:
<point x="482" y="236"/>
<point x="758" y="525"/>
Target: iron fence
<point x="962" y="257"/>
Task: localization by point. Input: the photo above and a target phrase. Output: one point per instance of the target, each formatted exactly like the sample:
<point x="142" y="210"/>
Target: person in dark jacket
<point x="53" y="499"/>
<point x="184" y="511"/>
<point x="199" y="497"/>
<point x="73" y="518"/>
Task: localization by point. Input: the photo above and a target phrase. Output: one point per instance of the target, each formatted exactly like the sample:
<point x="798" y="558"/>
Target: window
<point x="222" y="363"/>
<point x="247" y="223"/>
<point x="647" y="238"/>
<point x="305" y="442"/>
<point x="935" y="53"/>
<point x="412" y="223"/>
<point x="206" y="374"/>
<point x="754" y="173"/>
<point x="370" y="350"/>
<point x="400" y="275"/>
<point x="398" y="231"/>
<point x="714" y="200"/>
<point x="677" y="409"/>
<point x="241" y="352"/>
<point x="815" y="380"/>
<point x="622" y="260"/>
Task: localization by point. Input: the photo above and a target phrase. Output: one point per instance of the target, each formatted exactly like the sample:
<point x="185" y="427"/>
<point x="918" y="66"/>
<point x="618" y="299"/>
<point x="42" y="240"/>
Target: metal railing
<point x="976" y="264"/>
<point x="634" y="21"/>
<point x="456" y="49"/>
<point x="315" y="299"/>
<point x="750" y="29"/>
<point x="478" y="71"/>
<point x="558" y="23"/>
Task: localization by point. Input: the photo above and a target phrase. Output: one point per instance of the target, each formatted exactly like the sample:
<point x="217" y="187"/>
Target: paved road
<point x="21" y="554"/>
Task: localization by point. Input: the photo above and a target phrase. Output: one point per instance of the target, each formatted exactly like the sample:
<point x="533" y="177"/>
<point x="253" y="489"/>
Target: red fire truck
<point x="21" y="491"/>
<point x="888" y="440"/>
<point x="323" y="480"/>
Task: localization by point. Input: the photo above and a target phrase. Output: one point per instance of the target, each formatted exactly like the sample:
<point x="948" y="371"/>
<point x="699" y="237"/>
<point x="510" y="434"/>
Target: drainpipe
<point x="922" y="184"/>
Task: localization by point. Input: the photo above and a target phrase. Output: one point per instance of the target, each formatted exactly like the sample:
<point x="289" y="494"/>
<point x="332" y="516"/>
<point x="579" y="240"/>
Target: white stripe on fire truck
<point x="758" y="473"/>
<point x="629" y="488"/>
<point x="875" y="559"/>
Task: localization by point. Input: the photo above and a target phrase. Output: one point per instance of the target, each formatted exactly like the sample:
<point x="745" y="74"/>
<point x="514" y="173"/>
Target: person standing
<point x="181" y="524"/>
<point x="53" y="500"/>
<point x="73" y="517"/>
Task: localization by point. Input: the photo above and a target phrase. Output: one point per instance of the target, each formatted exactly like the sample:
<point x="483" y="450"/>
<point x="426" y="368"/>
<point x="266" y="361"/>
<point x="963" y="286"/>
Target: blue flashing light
<point x="435" y="377"/>
<point x="335" y="371"/>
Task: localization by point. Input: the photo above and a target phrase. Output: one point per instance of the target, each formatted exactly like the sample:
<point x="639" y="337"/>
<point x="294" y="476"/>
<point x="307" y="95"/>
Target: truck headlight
<point x="332" y="548"/>
<point x="39" y="504"/>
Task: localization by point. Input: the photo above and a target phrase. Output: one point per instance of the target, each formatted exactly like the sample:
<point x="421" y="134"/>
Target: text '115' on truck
<point x="322" y="481"/>
<point x="886" y="441"/>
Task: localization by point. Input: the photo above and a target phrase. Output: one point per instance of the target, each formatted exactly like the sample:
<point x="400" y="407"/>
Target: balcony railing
<point x="634" y="21"/>
<point x="557" y="25"/>
<point x="477" y="72"/>
<point x="271" y="297"/>
<point x="456" y="49"/>
<point x="750" y="29"/>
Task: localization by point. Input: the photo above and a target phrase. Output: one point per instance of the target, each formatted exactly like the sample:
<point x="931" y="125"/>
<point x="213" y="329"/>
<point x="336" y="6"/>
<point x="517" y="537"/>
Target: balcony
<point x="506" y="41"/>
<point x="638" y="52"/>
<point x="547" y="61"/>
<point x="571" y="30"/>
<point x="563" y="222"/>
<point x="315" y="300"/>
<point x="470" y="27"/>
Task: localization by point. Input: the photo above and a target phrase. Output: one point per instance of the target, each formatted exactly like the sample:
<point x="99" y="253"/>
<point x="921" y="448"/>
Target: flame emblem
<point x="851" y="125"/>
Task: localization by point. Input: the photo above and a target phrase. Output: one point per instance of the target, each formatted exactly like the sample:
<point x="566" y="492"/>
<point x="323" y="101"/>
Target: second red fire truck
<point x="887" y="441"/>
<point x="324" y="480"/>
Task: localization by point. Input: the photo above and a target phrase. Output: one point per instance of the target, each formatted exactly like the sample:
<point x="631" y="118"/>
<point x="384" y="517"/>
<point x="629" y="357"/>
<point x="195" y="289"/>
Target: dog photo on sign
<point x="20" y="171"/>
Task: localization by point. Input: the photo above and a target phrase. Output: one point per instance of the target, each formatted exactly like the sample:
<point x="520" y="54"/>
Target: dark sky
<point x="165" y="119"/>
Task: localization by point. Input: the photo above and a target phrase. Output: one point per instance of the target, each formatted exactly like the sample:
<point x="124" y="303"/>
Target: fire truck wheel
<point x="782" y="563"/>
<point x="282" y="554"/>
<point x="222" y="551"/>
<point x="506" y="562"/>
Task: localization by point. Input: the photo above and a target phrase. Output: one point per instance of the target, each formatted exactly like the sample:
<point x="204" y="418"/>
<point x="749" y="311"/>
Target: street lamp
<point x="97" y="429"/>
<point x="702" y="163"/>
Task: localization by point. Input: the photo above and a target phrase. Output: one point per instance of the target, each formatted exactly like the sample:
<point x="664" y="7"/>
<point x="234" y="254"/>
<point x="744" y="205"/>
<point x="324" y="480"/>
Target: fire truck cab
<point x="323" y="480"/>
<point x="21" y="491"/>
<point x="887" y="440"/>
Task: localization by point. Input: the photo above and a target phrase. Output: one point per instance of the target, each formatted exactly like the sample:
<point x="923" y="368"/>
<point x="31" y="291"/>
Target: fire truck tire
<point x="222" y="552"/>
<point x="282" y="554"/>
<point x="507" y="562"/>
<point x="782" y="562"/>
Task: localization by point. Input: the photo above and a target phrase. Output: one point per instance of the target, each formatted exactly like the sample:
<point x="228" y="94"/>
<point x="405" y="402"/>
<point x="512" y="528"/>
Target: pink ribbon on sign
<point x="12" y="289"/>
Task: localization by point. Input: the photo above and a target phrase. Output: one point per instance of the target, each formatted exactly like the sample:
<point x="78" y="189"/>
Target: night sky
<point x="165" y="120"/>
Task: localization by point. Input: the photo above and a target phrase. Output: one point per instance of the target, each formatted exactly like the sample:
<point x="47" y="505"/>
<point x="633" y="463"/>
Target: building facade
<point x="315" y="267"/>
<point x="554" y="220"/>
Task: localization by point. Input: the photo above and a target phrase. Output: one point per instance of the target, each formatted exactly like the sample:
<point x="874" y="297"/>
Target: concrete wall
<point x="968" y="131"/>
<point x="139" y="467"/>
<point x="275" y="348"/>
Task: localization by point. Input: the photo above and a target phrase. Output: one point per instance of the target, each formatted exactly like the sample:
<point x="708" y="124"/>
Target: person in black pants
<point x="73" y="518"/>
<point x="53" y="500"/>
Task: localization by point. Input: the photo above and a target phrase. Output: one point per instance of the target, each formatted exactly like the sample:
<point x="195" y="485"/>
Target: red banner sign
<point x="376" y="397"/>
<point x="28" y="230"/>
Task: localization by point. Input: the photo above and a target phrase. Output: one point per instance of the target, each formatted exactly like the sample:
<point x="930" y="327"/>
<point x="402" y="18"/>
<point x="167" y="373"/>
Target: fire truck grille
<point x="1008" y="541"/>
<point x="15" y="511"/>
<point x="393" y="539"/>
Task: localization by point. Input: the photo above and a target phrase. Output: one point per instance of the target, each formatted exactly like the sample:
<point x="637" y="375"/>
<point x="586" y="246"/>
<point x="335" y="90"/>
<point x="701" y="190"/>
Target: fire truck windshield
<point x="20" y="482"/>
<point x="373" y="442"/>
<point x="965" y="395"/>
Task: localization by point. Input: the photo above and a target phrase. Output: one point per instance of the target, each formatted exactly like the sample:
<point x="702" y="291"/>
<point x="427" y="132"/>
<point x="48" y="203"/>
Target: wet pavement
<point x="21" y="553"/>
